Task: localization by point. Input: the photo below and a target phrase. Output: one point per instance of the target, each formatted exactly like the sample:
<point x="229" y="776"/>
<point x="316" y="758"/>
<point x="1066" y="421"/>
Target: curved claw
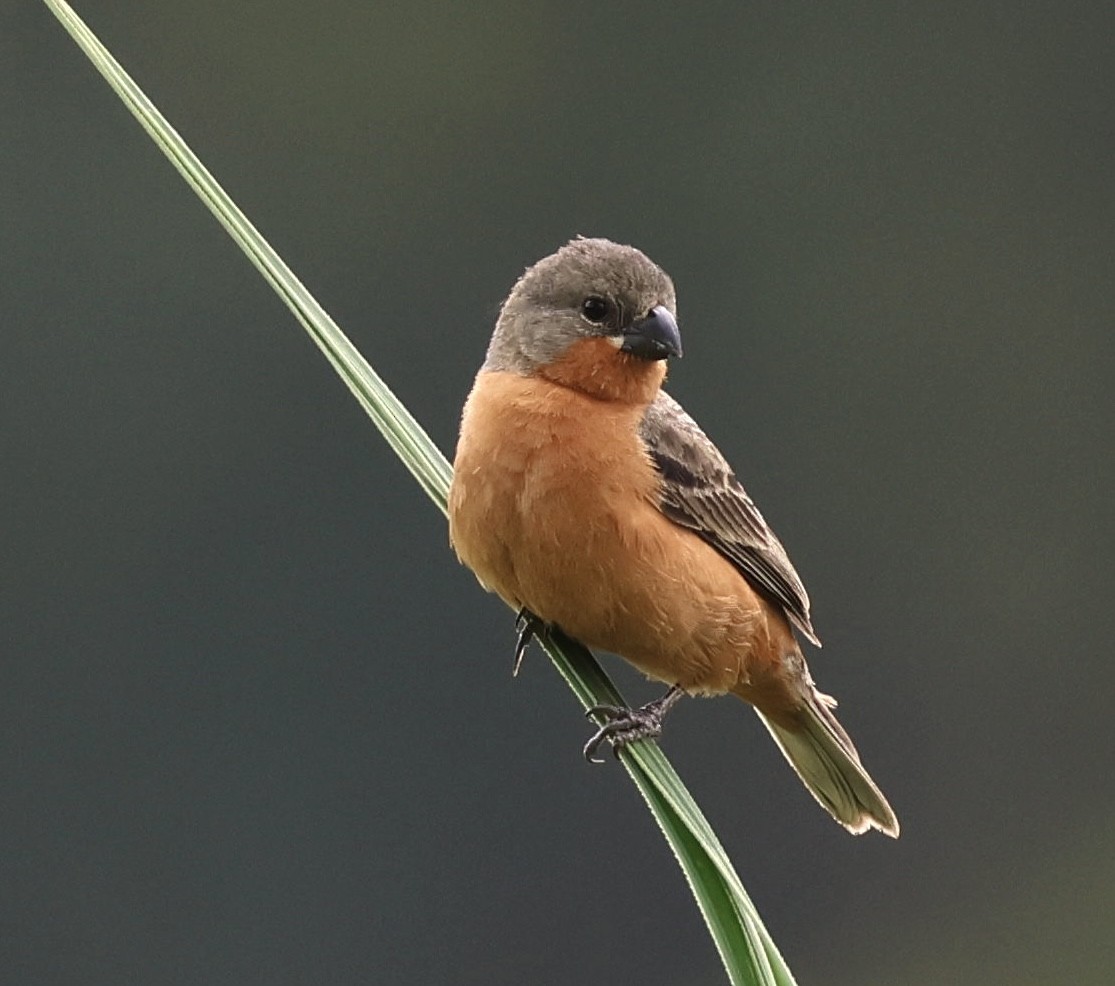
<point x="608" y="711"/>
<point x="624" y="726"/>
<point x="593" y="744"/>
<point x="528" y="627"/>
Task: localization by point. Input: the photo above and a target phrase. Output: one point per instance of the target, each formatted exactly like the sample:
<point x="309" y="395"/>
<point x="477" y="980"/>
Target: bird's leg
<point x="623" y="726"/>
<point x="528" y="626"/>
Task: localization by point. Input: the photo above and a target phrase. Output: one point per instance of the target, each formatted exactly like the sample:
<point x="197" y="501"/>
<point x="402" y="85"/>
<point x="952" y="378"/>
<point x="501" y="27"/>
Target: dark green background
<point x="257" y="726"/>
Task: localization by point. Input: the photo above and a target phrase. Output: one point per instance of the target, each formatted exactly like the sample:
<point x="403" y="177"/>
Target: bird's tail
<point x="827" y="763"/>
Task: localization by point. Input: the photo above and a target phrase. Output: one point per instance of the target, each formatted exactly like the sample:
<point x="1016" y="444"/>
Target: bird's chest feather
<point x="548" y="484"/>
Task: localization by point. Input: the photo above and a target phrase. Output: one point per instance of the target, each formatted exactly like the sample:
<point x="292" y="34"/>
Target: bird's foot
<point x="528" y="626"/>
<point x="622" y="725"/>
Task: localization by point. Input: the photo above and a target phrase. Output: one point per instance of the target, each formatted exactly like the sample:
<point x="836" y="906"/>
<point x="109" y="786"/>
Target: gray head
<point x="590" y="288"/>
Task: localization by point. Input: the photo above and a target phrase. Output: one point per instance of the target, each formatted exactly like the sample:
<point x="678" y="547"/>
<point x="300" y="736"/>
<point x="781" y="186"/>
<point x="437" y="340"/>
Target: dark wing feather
<point x="700" y="492"/>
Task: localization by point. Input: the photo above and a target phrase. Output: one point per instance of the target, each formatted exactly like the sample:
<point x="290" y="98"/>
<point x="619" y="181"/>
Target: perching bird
<point x="587" y="498"/>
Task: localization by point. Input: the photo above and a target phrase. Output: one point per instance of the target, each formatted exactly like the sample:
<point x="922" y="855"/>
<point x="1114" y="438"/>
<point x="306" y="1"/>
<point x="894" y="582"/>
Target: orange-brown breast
<point x="554" y="507"/>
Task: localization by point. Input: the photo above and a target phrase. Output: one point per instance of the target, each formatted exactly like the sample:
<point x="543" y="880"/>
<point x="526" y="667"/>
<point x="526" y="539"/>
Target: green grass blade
<point x="687" y="831"/>
<point x="749" y="955"/>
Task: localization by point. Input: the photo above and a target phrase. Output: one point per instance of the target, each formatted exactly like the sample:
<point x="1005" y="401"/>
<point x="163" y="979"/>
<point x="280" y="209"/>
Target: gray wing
<point x="700" y="492"/>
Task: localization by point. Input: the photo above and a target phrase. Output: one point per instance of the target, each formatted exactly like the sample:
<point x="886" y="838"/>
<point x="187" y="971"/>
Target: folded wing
<point x="700" y="492"/>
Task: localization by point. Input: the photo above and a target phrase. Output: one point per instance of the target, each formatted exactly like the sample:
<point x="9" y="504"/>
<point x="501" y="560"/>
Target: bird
<point x="588" y="499"/>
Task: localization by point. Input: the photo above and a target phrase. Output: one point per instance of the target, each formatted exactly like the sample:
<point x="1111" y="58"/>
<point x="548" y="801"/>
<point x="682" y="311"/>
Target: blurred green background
<point x="257" y="724"/>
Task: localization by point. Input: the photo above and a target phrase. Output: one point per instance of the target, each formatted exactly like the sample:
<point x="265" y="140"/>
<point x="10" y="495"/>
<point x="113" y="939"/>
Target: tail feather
<point x="827" y="763"/>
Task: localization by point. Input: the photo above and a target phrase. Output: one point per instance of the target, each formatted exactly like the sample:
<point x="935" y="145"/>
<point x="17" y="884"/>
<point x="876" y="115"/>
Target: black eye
<point x="595" y="309"/>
